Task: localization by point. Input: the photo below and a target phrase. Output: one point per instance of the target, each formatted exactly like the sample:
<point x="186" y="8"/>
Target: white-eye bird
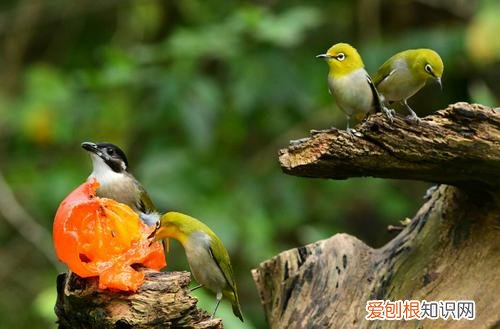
<point x="110" y="168"/>
<point x="206" y="255"/>
<point x="405" y="73"/>
<point x="349" y="82"/>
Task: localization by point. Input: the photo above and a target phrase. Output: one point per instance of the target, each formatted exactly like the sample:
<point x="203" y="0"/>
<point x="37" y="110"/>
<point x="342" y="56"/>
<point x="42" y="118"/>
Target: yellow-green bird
<point x="206" y="255"/>
<point x="349" y="82"/>
<point x="405" y="73"/>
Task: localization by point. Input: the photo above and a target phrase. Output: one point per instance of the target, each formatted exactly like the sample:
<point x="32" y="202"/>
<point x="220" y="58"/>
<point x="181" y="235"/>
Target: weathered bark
<point x="163" y="301"/>
<point x="459" y="146"/>
<point x="450" y="250"/>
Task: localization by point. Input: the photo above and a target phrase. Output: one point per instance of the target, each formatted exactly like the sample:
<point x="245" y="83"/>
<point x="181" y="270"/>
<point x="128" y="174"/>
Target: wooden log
<point x="459" y="145"/>
<point x="449" y="251"/>
<point x="163" y="301"/>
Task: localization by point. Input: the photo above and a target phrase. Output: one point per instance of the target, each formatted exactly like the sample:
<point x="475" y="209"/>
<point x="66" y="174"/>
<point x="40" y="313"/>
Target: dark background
<point x="201" y="95"/>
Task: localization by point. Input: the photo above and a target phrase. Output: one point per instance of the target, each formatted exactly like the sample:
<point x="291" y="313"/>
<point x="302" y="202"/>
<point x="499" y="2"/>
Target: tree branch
<point x="459" y="146"/>
<point x="25" y="224"/>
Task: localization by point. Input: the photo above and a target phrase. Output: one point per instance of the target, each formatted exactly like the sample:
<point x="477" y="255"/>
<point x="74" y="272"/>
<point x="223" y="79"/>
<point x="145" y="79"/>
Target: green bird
<point x="206" y="255"/>
<point x="405" y="73"/>
<point x="350" y="84"/>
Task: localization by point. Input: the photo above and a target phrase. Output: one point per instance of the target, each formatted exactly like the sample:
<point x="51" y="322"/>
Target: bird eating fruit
<point x="207" y="257"/>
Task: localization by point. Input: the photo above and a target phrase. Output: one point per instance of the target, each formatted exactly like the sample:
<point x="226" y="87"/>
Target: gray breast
<point x="203" y="267"/>
<point x="122" y="190"/>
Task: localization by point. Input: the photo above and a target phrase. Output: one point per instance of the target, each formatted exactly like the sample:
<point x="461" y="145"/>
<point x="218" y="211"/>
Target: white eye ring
<point x="428" y="68"/>
<point x="340" y="57"/>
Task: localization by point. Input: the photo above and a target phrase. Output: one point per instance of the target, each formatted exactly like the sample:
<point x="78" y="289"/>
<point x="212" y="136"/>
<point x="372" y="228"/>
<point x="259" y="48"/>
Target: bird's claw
<point x="353" y="132"/>
<point x="389" y="113"/>
<point x="413" y="118"/>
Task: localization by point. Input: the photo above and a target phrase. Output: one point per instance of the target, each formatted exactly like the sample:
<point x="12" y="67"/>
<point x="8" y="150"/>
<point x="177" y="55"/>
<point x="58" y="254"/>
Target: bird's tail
<point x="233" y="297"/>
<point x="237" y="311"/>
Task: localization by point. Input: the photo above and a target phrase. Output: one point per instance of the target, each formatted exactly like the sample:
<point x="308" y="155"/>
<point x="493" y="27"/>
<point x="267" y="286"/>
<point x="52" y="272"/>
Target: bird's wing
<point x="376" y="97"/>
<point x="217" y="251"/>
<point x="144" y="204"/>
<point x="383" y="72"/>
<point x="220" y="256"/>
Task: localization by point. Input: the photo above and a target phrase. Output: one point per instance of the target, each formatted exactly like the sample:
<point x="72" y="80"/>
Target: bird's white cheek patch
<point x="102" y="172"/>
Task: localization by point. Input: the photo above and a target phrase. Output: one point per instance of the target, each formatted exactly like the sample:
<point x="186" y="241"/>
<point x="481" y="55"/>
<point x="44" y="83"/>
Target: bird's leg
<point x="413" y="116"/>
<point x="351" y="131"/>
<point x="389" y="113"/>
<point x="219" y="297"/>
<point x="348" y="128"/>
<point x="196" y="287"/>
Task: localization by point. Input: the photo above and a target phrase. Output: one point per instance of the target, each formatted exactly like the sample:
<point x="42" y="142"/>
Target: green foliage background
<point x="201" y="95"/>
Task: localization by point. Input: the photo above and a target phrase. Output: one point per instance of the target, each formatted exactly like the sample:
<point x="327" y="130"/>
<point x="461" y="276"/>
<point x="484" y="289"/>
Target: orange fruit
<point x="101" y="237"/>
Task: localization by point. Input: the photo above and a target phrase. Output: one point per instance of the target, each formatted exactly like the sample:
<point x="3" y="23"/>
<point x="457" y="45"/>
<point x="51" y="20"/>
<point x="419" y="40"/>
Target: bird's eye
<point x="340" y="57"/>
<point x="428" y="68"/>
<point x="110" y="151"/>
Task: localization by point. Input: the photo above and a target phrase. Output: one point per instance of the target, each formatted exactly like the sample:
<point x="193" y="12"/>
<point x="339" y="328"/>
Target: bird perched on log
<point x="110" y="168"/>
<point x="350" y="84"/>
<point x="206" y="255"/>
<point x="405" y="73"/>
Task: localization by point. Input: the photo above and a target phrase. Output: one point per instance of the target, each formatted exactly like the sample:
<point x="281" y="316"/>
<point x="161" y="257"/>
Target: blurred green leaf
<point x="44" y="305"/>
<point x="288" y="28"/>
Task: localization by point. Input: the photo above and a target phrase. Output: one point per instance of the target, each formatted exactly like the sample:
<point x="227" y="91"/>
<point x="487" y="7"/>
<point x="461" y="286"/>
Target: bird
<point x="207" y="257"/>
<point x="350" y="84"/>
<point x="405" y="73"/>
<point x="110" y="168"/>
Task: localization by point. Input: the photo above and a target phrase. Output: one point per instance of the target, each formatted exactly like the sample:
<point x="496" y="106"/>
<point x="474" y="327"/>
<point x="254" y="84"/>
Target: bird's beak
<point x="91" y="147"/>
<point x="323" y="56"/>
<point x="438" y="80"/>
<point x="152" y="235"/>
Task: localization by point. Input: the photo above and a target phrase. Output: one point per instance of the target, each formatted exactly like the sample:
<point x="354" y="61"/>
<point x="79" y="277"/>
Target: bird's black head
<point x="111" y="154"/>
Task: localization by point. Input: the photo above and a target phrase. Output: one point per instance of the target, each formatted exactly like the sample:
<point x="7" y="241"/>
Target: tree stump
<point x="163" y="301"/>
<point x="450" y="250"/>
